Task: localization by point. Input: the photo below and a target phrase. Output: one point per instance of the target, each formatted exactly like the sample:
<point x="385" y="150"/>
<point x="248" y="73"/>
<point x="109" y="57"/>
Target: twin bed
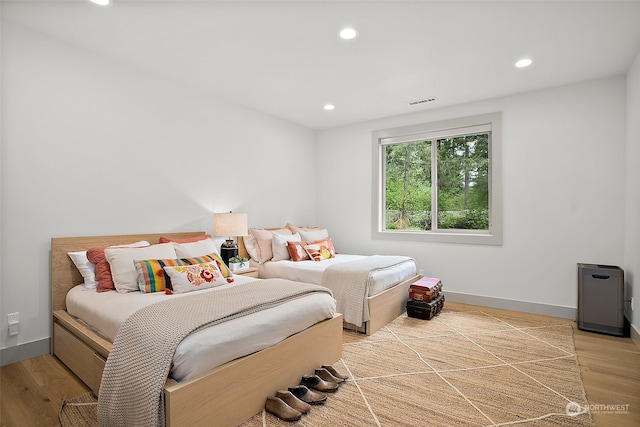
<point x="252" y="356"/>
<point x="386" y="279"/>
<point x="226" y="394"/>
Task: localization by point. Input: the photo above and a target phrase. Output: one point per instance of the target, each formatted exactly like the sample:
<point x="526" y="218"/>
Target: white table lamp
<point x="230" y="225"/>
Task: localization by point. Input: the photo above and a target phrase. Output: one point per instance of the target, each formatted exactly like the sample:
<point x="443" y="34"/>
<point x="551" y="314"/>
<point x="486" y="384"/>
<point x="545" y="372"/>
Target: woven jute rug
<point x="468" y="368"/>
<point x="80" y="411"/>
<point x="457" y="369"/>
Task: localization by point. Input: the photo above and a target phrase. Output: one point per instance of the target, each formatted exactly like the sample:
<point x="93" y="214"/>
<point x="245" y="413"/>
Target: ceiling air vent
<point x="423" y="101"/>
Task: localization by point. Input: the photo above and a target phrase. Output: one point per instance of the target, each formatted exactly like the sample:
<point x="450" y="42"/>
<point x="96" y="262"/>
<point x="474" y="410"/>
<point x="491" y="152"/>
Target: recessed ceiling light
<point x="524" y="63"/>
<point x="329" y="107"/>
<point x="100" y="2"/>
<point x="348" y="33"/>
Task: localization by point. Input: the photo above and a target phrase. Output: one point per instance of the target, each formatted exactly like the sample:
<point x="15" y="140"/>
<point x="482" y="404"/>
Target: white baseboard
<point x="25" y="351"/>
<point x="507" y="304"/>
<point x="635" y="336"/>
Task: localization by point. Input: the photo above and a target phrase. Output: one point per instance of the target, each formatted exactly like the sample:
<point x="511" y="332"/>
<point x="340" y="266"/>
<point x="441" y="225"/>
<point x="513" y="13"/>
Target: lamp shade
<point x="230" y="224"/>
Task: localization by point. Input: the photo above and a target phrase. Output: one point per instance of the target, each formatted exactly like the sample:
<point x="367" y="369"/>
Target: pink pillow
<point x="97" y="257"/>
<point x="263" y="239"/>
<point x="297" y="229"/>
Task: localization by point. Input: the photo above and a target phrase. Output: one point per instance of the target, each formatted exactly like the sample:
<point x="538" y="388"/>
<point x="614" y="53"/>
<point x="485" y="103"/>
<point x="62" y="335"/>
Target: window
<point x="439" y="182"/>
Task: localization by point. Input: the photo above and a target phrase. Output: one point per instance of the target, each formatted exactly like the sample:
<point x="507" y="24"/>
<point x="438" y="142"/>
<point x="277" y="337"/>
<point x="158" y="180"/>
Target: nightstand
<point x="249" y="272"/>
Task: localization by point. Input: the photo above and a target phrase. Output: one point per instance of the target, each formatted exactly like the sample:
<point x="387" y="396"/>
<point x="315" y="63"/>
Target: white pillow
<point x="123" y="270"/>
<point x="88" y="270"/>
<point x="311" y="235"/>
<point x="187" y="278"/>
<point x="85" y="268"/>
<point x="280" y="247"/>
<point x="250" y="245"/>
<point x="195" y="249"/>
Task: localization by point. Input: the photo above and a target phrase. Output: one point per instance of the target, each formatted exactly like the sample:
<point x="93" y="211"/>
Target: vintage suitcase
<point x="425" y="310"/>
<point x="417" y="293"/>
<point x="425" y="289"/>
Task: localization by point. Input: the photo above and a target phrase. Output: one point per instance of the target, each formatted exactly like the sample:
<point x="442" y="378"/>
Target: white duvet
<point x="311" y="271"/>
<point x="105" y="312"/>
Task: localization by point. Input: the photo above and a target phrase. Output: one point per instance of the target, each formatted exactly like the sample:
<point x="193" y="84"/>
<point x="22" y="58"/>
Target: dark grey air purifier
<point x="601" y="299"/>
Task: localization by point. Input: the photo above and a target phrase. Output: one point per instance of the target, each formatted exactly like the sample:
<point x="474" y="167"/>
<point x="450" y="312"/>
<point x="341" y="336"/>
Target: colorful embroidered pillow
<point x="152" y="276"/>
<point x="187" y="278"/>
<point x="221" y="265"/>
<point x="320" y="250"/>
<point x="102" y="269"/>
<point x="298" y="252"/>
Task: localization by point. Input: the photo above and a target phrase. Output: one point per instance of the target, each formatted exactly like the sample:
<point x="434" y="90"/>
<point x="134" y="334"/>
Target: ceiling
<point x="285" y="57"/>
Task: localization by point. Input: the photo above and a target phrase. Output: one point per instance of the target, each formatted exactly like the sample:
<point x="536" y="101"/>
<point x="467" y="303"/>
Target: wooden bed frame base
<point x="385" y="307"/>
<point x="226" y="395"/>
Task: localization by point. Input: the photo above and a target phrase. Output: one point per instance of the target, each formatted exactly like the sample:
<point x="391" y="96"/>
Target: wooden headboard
<point x="65" y="275"/>
<point x="242" y="250"/>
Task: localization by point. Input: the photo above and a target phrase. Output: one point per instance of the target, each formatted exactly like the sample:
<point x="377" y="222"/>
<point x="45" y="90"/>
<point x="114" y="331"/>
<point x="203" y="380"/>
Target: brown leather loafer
<point x="327" y="376"/>
<point x="335" y="373"/>
<point x="281" y="410"/>
<point x="309" y="396"/>
<point x="297" y="404"/>
<point x="317" y="383"/>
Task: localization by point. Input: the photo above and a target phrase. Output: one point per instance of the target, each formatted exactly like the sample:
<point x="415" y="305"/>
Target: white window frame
<point x="442" y="129"/>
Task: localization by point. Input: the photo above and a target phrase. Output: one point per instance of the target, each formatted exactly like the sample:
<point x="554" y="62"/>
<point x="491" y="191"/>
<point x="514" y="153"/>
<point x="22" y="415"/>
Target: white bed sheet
<point x="211" y="347"/>
<point x="311" y="271"/>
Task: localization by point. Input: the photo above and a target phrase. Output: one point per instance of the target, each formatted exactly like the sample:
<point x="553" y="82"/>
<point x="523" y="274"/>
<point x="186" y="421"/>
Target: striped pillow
<point x="151" y="275"/>
<point x="153" y="278"/>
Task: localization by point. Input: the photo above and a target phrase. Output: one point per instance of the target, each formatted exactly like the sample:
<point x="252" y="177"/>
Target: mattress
<point x="311" y="271"/>
<point x="105" y="312"/>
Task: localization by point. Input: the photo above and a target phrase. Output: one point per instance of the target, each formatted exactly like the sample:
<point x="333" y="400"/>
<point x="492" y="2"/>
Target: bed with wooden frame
<point x="383" y="307"/>
<point x="226" y="395"/>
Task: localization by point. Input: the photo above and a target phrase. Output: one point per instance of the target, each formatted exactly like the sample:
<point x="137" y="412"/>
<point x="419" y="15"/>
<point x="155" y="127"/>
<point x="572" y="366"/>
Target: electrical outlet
<point x="14" y="323"/>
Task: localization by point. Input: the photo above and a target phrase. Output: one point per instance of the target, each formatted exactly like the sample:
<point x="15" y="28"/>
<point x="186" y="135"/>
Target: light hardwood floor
<point x="31" y="391"/>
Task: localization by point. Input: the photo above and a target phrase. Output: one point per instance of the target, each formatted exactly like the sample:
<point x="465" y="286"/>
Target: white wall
<point x="563" y="169"/>
<point x="92" y="147"/>
<point x="632" y="228"/>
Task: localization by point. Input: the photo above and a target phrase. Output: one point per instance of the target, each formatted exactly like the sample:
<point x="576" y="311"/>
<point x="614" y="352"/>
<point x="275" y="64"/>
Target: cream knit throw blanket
<point x="349" y="282"/>
<point x="131" y="392"/>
